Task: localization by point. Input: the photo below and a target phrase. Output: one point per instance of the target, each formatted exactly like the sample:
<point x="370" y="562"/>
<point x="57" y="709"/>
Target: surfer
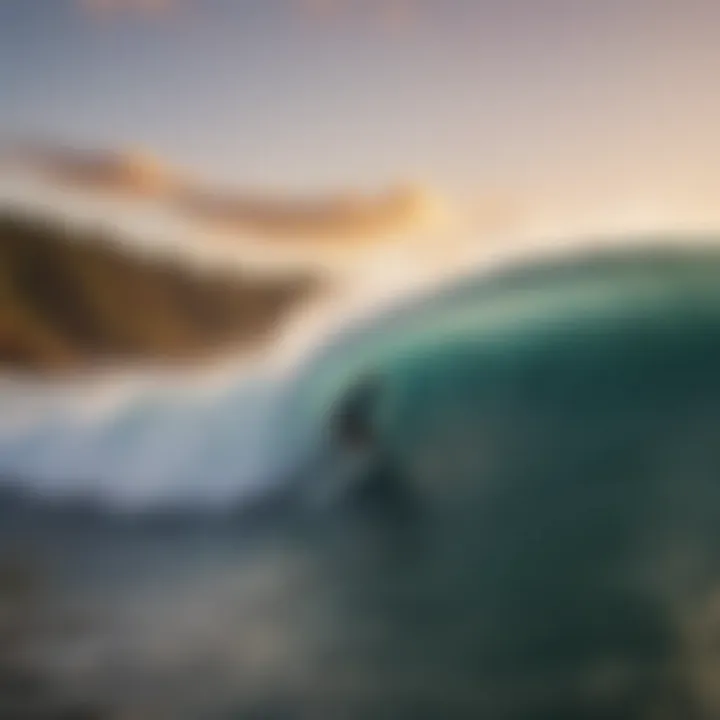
<point x="379" y="482"/>
<point x="353" y="423"/>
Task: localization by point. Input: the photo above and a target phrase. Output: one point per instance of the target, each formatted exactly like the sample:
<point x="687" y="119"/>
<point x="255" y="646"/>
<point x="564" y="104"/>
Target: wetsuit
<point x="382" y="485"/>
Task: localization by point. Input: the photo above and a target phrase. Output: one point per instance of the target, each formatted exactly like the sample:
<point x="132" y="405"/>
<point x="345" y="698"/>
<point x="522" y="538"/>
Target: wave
<point x="215" y="437"/>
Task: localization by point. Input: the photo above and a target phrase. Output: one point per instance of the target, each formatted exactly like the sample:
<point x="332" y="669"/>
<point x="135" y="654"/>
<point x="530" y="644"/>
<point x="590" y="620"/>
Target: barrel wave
<point x="557" y="426"/>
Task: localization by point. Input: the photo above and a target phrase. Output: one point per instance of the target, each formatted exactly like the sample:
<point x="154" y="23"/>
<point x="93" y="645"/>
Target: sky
<point x="525" y="99"/>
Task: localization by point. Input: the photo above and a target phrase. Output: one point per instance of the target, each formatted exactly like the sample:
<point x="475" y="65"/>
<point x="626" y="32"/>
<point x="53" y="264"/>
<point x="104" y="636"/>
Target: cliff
<point x="70" y="298"/>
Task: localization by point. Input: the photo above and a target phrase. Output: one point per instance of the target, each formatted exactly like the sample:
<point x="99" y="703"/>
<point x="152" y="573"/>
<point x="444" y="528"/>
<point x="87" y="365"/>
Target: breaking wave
<point x="221" y="434"/>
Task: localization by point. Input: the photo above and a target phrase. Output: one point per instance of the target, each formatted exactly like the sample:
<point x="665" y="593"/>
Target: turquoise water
<point x="560" y="429"/>
<point x="453" y="348"/>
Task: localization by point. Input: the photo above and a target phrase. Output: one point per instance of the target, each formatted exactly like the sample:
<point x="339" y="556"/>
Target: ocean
<point x="557" y="425"/>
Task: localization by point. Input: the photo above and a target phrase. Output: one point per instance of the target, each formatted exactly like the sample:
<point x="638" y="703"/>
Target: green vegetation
<point x="69" y="298"/>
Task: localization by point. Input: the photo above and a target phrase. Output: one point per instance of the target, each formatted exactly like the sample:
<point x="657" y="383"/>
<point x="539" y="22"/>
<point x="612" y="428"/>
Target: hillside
<point x="69" y="299"/>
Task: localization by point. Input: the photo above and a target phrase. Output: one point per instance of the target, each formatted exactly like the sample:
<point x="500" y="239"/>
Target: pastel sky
<point x="473" y="96"/>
